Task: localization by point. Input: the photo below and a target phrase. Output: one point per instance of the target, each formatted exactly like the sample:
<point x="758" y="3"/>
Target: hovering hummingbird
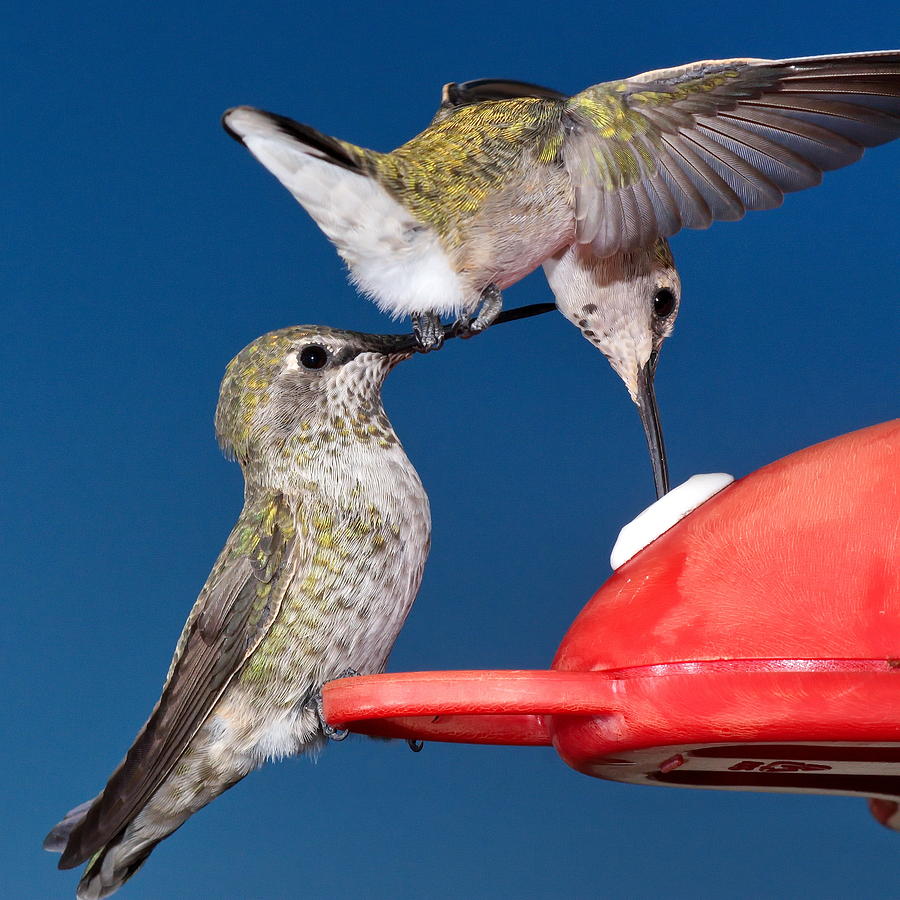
<point x="625" y="304"/>
<point x="493" y="188"/>
<point x="315" y="579"/>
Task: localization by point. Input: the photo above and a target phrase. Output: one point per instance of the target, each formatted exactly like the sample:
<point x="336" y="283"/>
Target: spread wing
<point x="683" y="147"/>
<point x="232" y="615"/>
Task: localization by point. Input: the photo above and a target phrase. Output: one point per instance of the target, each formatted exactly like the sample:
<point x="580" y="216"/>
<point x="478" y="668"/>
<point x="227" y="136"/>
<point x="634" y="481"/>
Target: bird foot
<point x="332" y="733"/>
<point x="491" y="306"/>
<point x="428" y="330"/>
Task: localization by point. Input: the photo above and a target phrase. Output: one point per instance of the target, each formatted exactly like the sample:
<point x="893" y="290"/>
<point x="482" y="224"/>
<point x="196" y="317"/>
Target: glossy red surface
<point x="753" y="646"/>
<point x="798" y="559"/>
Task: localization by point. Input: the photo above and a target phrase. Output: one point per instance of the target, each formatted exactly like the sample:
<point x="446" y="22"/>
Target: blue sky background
<point x="142" y="249"/>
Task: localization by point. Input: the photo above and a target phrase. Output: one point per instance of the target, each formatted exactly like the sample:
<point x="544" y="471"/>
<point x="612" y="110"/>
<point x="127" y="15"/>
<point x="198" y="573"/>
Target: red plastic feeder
<point x="753" y="646"/>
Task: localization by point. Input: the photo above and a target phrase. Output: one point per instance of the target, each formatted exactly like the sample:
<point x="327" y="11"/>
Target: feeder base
<point x="847" y="768"/>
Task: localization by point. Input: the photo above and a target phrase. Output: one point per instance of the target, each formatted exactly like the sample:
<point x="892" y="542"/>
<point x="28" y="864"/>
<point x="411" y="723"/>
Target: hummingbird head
<point x="625" y="305"/>
<point x="305" y="390"/>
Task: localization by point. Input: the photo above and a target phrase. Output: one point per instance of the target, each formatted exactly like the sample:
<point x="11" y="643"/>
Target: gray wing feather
<point x="683" y="147"/>
<point x="232" y="616"/>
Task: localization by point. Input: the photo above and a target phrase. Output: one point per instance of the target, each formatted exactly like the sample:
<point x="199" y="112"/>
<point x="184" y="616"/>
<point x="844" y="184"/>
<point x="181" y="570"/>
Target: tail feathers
<point x="329" y="178"/>
<point x="246" y="124"/>
<point x="111" y="867"/>
<point x="393" y="257"/>
<point x="58" y="837"/>
<point x="125" y="852"/>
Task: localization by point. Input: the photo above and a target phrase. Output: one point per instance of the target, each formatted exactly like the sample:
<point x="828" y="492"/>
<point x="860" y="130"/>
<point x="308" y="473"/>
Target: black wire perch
<point x="409" y="342"/>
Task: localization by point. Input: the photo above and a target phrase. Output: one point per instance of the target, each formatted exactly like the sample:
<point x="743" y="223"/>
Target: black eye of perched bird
<point x="663" y="303"/>
<point x="313" y="357"/>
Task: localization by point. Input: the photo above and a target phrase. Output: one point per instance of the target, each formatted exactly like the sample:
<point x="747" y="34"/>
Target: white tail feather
<point x="393" y="258"/>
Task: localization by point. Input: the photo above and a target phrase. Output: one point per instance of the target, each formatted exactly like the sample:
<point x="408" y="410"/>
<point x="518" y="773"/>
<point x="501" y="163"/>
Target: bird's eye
<point x="313" y="356"/>
<point x="663" y="303"/>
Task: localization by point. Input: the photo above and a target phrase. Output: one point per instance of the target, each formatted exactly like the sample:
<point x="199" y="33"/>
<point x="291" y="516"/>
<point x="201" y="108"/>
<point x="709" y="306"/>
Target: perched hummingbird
<point x="315" y="579"/>
<point x="494" y="187"/>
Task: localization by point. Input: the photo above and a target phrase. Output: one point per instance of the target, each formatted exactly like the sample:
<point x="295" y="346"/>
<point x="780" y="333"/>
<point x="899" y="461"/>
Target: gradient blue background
<point x="142" y="249"/>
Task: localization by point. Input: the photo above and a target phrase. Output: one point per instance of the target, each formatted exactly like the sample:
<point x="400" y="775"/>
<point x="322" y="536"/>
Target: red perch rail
<point x="755" y="645"/>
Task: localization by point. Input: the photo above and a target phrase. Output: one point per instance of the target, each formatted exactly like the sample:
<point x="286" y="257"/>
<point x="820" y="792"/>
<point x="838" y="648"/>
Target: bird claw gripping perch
<point x="491" y="306"/>
<point x="332" y="733"/>
<point x="428" y="331"/>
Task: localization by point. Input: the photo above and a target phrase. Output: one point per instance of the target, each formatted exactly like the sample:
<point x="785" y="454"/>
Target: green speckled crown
<point x="247" y="380"/>
<point x="251" y="376"/>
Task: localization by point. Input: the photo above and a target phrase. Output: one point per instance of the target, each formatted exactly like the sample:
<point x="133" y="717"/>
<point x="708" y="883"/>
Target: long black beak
<point x="646" y="404"/>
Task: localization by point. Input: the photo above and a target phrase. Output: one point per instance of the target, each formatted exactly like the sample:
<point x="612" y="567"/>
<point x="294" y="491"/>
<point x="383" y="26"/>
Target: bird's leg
<point x="428" y="331"/>
<point x="332" y="733"/>
<point x="463" y="324"/>
<point x="491" y="305"/>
